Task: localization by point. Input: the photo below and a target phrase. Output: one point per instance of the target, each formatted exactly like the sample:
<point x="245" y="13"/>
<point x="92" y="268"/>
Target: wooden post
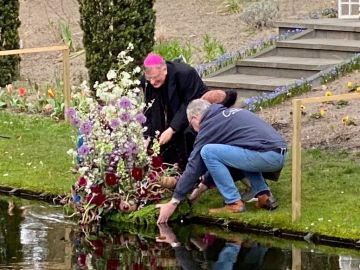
<point x="296" y="258"/>
<point x="296" y="161"/>
<point x="66" y="70"/>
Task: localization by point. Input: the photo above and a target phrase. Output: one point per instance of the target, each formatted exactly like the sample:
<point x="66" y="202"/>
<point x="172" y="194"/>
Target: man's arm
<point x="190" y="87"/>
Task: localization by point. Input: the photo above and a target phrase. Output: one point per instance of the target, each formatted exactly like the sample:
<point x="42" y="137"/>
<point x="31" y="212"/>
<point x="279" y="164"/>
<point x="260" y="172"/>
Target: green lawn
<point x="35" y="155"/>
<point x="35" y="158"/>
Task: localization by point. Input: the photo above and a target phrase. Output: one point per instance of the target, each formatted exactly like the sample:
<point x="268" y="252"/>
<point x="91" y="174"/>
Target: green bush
<point x="212" y="48"/>
<point x="9" y="40"/>
<point x="260" y="14"/>
<point x="109" y="27"/>
<point x="173" y="49"/>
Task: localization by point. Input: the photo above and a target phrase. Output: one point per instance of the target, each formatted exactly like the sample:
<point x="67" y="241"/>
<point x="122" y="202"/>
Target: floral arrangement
<point x="118" y="170"/>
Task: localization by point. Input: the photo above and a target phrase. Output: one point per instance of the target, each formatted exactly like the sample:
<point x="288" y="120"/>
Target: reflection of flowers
<point x="117" y="170"/>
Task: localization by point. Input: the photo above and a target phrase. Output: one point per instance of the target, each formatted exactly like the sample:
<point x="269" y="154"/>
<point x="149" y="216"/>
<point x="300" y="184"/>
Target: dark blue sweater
<point x="221" y="125"/>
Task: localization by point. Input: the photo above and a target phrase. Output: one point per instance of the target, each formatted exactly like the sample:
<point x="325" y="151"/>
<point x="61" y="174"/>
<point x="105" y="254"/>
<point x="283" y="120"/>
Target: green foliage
<point x="231" y="6"/>
<point x="67" y="36"/>
<point x="260" y="14"/>
<point x="212" y="48"/>
<point x="173" y="49"/>
<point x="109" y="27"/>
<point x="9" y="40"/>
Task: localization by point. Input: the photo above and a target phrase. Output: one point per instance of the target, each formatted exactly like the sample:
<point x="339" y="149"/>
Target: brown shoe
<point x="236" y="207"/>
<point x="267" y="202"/>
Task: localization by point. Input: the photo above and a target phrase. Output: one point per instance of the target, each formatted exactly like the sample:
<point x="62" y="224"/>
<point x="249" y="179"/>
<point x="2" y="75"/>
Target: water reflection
<point x="36" y="236"/>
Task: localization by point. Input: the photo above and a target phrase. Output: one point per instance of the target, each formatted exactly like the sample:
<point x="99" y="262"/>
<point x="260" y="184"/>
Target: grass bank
<point x="35" y="158"/>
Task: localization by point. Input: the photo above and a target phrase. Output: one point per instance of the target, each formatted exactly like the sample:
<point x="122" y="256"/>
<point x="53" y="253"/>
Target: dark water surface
<point x="36" y="235"/>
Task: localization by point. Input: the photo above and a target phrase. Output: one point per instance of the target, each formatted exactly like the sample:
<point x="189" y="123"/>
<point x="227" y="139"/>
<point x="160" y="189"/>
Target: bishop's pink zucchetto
<point x="153" y="59"/>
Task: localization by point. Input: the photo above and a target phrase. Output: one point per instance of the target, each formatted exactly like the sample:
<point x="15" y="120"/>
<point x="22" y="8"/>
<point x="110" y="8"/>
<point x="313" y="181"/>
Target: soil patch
<point x="189" y="20"/>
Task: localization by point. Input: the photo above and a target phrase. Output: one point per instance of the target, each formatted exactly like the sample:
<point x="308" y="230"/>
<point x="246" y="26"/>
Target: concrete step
<point x="285" y="67"/>
<point x="321" y="44"/>
<point x="331" y="34"/>
<point x="249" y="82"/>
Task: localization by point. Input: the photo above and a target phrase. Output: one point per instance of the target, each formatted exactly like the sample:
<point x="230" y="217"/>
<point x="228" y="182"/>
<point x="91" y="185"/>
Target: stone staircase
<point x="322" y="45"/>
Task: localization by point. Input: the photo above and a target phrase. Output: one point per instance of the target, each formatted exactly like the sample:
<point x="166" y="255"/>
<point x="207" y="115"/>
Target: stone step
<point x="321" y="44"/>
<point x="285" y="67"/>
<point x="249" y="82"/>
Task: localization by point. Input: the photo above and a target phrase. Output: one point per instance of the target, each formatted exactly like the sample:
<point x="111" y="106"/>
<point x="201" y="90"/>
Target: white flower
<point x="83" y="170"/>
<point x="137" y="70"/>
<point x="111" y="75"/>
<point x="130" y="46"/>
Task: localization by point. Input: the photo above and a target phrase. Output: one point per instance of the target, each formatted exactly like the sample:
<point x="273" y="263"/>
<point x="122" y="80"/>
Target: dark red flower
<point x="138" y="266"/>
<point x="157" y="161"/>
<point x="112" y="264"/>
<point x="98" y="245"/>
<point x="110" y="179"/>
<point x="137" y="173"/>
<point x="97" y="199"/>
<point x="81" y="259"/>
<point x="82" y="181"/>
<point x="96" y="189"/>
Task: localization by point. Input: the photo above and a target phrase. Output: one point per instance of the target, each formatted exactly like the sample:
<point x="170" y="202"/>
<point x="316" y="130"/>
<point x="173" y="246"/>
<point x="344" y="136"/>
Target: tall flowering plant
<point x="117" y="170"/>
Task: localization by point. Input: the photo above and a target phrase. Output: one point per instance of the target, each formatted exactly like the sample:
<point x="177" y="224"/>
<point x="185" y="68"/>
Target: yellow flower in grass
<point x="328" y="94"/>
<point x="50" y="93"/>
<point x="322" y="112"/>
<point x="358" y="89"/>
<point x="350" y="85"/>
<point x="348" y="121"/>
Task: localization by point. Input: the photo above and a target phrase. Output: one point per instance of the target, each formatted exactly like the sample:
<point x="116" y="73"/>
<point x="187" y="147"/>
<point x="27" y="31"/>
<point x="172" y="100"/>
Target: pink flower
<point x="110" y="179"/>
<point x="137" y="173"/>
<point x="22" y="91"/>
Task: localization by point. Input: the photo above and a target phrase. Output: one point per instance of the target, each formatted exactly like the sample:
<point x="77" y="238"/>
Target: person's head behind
<point x="195" y="112"/>
<point x="155" y="70"/>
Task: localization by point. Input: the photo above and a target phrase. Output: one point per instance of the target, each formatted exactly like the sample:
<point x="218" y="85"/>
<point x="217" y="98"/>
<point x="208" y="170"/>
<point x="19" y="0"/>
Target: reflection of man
<point x="171" y="86"/>
<point x="228" y="137"/>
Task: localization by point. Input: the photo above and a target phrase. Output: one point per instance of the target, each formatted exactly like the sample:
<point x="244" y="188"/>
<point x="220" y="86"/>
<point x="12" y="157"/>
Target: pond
<point x="35" y="235"/>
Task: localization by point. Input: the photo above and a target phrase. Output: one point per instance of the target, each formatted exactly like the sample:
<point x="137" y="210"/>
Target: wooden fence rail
<point x="296" y="146"/>
<point x="66" y="66"/>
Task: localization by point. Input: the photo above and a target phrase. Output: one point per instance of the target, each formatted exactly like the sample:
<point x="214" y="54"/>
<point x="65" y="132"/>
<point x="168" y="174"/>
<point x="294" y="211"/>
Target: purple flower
<point x="125" y="117"/>
<point x="132" y="148"/>
<point x="75" y="122"/>
<point x="83" y="150"/>
<point x="125" y="103"/>
<point x="140" y="118"/>
<point x="70" y="112"/>
<point x="115" y="123"/>
<point x="85" y="128"/>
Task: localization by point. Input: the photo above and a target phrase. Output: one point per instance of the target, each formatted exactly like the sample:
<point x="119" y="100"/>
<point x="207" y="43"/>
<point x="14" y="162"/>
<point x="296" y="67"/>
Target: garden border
<point x="66" y="66"/>
<point x="296" y="146"/>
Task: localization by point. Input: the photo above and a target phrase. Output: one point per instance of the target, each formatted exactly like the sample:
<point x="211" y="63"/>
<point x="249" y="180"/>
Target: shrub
<point x="260" y="14"/>
<point x="212" y="48"/>
<point x="173" y="49"/>
<point x="9" y="40"/>
<point x="109" y="26"/>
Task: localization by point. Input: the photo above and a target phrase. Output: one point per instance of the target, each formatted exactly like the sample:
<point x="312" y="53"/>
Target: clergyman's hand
<point x="166" y="136"/>
<point x="166" y="210"/>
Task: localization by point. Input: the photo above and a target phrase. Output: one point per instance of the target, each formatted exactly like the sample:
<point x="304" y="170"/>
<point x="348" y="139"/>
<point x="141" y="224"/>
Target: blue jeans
<point x="217" y="156"/>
